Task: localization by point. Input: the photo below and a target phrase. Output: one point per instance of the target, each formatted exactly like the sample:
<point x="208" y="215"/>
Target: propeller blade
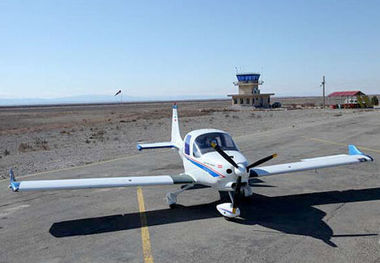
<point x="238" y="180"/>
<point x="223" y="154"/>
<point x="265" y="159"/>
<point x="236" y="195"/>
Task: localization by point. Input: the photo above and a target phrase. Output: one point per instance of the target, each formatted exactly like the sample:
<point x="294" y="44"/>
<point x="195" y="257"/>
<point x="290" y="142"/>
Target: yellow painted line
<point x="342" y="144"/>
<point x="147" y="250"/>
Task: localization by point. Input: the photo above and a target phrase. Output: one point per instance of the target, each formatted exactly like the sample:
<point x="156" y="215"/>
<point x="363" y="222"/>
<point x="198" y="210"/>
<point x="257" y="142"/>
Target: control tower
<point x="249" y="92"/>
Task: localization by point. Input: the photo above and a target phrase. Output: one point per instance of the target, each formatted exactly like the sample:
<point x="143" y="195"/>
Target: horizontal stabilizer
<point x="156" y="145"/>
<point x="176" y="140"/>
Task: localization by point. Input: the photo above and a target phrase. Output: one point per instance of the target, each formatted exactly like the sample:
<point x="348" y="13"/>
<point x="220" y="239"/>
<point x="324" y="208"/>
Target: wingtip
<point x="353" y="150"/>
<point x="12" y="176"/>
<point x="13" y="184"/>
<point x="139" y="147"/>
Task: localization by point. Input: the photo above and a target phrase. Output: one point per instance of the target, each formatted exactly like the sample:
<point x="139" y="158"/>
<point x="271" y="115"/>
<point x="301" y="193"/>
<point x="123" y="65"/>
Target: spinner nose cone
<point x="241" y="162"/>
<point x="241" y="170"/>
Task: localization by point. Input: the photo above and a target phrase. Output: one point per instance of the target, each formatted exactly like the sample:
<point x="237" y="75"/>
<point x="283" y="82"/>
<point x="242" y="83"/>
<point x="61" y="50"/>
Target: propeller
<point x="223" y="154"/>
<point x="263" y="160"/>
<point x="239" y="174"/>
<point x="236" y="194"/>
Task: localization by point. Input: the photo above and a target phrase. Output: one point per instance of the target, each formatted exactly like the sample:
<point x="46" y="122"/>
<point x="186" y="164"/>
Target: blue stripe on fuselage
<point x="211" y="172"/>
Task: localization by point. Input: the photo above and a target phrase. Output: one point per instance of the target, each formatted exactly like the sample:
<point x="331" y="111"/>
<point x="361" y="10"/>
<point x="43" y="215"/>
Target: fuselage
<point x="206" y="165"/>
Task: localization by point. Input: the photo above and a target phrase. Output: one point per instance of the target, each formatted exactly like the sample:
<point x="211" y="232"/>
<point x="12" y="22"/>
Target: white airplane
<point x="211" y="158"/>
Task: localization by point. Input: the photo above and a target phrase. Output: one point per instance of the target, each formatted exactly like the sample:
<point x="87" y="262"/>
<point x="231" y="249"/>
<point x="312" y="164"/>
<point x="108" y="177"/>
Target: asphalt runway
<point x="332" y="215"/>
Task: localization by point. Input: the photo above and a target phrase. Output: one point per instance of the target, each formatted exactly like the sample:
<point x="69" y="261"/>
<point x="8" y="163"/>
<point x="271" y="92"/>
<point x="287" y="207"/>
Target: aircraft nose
<point x="229" y="170"/>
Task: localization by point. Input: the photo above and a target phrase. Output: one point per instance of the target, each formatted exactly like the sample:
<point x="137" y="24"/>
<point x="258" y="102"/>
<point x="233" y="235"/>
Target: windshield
<point x="223" y="140"/>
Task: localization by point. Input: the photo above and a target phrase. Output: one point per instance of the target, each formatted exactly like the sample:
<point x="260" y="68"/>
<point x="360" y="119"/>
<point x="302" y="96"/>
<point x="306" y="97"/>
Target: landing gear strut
<point x="227" y="210"/>
<point x="246" y="190"/>
<point x="171" y="198"/>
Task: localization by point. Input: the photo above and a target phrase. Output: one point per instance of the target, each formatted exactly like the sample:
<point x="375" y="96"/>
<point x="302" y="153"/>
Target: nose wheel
<point x="228" y="210"/>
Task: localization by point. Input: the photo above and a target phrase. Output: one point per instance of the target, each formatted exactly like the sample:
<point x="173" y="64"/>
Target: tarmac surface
<point x="332" y="215"/>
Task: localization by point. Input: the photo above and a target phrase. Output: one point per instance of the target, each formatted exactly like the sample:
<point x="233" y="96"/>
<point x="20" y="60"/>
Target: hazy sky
<point x="159" y="48"/>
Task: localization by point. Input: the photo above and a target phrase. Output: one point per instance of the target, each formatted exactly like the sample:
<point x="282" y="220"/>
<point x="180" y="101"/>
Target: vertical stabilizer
<point x="176" y="140"/>
<point x="176" y="136"/>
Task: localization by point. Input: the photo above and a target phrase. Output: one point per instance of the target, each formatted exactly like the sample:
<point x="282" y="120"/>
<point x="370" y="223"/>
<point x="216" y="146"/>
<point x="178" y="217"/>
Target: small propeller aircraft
<point x="211" y="158"/>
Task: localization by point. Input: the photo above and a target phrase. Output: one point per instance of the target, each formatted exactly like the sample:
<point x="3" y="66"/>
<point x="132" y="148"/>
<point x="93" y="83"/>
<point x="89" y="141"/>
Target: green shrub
<point x="374" y="100"/>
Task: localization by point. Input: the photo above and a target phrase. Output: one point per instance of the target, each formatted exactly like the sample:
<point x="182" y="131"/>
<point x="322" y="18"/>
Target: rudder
<point x="176" y="135"/>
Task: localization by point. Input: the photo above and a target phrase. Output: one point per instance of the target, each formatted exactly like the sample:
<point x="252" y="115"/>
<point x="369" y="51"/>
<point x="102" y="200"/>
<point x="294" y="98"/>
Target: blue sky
<point x="67" y="48"/>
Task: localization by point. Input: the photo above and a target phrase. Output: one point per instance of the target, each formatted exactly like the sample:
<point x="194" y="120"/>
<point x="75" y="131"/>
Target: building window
<point x="241" y="101"/>
<point x="247" y="101"/>
<point x="235" y="101"/>
<point x="268" y="100"/>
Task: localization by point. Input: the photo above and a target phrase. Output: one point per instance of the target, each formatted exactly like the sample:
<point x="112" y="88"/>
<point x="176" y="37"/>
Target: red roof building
<point x="346" y="93"/>
<point x="346" y="99"/>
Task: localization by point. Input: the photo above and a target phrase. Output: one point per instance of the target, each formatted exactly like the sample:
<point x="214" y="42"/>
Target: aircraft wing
<point x="107" y="182"/>
<point x="353" y="156"/>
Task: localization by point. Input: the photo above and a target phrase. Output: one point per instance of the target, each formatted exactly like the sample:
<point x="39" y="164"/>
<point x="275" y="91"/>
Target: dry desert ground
<point x="36" y="139"/>
<point x="329" y="216"/>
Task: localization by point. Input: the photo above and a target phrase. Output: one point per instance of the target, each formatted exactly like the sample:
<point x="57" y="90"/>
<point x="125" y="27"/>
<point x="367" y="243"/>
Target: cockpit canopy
<point x="202" y="143"/>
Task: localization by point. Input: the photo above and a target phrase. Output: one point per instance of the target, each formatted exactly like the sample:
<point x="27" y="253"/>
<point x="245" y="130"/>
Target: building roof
<point x="250" y="95"/>
<point x="248" y="77"/>
<point x="345" y="93"/>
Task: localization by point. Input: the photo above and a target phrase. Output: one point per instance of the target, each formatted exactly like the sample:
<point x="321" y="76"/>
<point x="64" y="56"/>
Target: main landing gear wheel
<point x="171" y="199"/>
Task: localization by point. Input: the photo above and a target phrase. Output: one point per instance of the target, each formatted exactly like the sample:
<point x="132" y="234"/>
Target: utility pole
<point x="323" y="84"/>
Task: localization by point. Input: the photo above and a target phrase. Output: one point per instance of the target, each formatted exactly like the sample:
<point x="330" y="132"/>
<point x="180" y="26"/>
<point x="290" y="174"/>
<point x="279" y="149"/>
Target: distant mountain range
<point x="96" y="99"/>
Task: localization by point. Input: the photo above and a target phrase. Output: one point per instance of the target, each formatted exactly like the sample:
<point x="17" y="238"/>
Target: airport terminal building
<point x="249" y="92"/>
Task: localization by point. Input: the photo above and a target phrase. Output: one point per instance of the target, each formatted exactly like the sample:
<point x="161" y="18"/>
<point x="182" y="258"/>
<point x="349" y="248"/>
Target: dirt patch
<point x="38" y="145"/>
<point x="38" y="139"/>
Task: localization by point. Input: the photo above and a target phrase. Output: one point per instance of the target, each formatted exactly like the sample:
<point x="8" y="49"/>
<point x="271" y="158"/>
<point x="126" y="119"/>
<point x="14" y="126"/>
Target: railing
<point x="237" y="83"/>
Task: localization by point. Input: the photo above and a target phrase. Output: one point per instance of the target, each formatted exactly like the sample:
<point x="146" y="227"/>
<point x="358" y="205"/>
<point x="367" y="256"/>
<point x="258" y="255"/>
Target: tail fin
<point x="176" y="140"/>
<point x="176" y="135"/>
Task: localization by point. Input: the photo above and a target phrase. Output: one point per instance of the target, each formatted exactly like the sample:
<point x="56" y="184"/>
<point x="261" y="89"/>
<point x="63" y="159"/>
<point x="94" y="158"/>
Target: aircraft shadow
<point x="291" y="214"/>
